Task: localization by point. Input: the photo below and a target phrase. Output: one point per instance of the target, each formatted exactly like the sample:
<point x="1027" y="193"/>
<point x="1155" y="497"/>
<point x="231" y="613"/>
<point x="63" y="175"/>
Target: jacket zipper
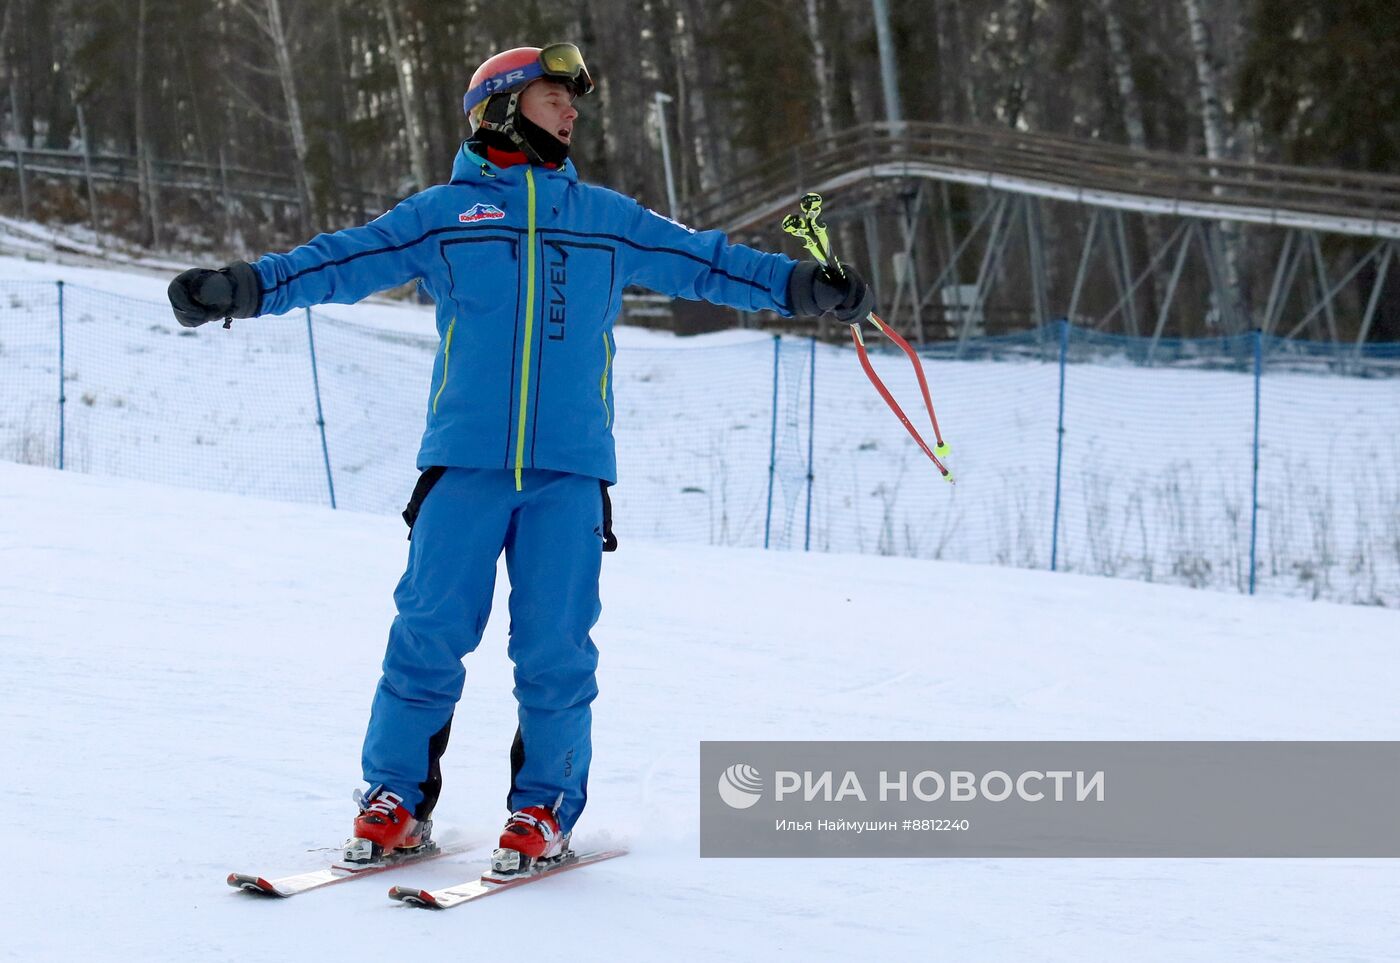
<point x="446" y="357"/>
<point x="603" y="385"/>
<point x="529" y="326"/>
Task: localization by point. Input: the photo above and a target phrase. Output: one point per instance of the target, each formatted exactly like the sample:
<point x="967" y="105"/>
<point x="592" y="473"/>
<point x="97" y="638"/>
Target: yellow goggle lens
<point x="565" y="60"/>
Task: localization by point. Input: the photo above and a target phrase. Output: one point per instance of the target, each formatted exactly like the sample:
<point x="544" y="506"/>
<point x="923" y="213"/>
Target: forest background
<point x="358" y="102"/>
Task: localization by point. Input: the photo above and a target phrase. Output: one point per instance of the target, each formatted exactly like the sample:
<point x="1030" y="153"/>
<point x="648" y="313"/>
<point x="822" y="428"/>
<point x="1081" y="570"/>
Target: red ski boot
<point x="384" y="827"/>
<point x="531" y="836"/>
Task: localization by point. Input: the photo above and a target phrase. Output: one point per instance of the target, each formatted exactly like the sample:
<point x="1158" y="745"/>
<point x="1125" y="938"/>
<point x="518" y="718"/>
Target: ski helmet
<point x="510" y="72"/>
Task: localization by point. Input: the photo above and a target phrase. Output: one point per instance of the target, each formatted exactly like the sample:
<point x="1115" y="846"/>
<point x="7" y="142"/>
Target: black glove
<point x="814" y="290"/>
<point x="199" y="295"/>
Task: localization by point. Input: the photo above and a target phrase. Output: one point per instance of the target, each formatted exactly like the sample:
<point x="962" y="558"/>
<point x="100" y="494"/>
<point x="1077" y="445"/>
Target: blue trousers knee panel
<point x="551" y="533"/>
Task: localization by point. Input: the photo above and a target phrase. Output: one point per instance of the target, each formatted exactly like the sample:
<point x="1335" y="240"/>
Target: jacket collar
<point x="470" y="167"/>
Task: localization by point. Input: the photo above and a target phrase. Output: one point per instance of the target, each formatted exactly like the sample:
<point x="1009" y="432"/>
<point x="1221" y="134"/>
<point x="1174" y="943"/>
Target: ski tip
<point x="413" y="896"/>
<point x="252" y="884"/>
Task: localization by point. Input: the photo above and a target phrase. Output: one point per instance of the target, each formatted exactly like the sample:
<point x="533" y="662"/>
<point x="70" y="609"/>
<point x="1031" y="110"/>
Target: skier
<point x="527" y="266"/>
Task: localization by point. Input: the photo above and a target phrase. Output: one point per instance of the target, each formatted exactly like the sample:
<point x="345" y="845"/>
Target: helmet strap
<point x="551" y="149"/>
<point x="502" y="116"/>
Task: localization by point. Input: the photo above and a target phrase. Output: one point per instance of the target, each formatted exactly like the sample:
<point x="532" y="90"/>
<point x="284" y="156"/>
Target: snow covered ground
<point x="186" y="676"/>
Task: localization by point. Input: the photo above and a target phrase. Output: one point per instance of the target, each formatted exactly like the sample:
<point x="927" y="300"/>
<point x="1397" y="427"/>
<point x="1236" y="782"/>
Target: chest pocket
<point x="483" y="275"/>
<point x="576" y="287"/>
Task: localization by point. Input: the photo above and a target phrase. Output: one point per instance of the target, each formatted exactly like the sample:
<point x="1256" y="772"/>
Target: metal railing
<point x="1082" y="171"/>
<point x="217" y="180"/>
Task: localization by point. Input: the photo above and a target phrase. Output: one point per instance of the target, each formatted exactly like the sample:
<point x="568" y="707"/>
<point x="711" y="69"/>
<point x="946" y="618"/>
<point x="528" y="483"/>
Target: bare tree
<point x="1207" y="82"/>
<point x="955" y="85"/>
<point x="267" y="17"/>
<point x="7" y="67"/>
<point x="1020" y="24"/>
<point x="1129" y="100"/>
<point x="1213" y="127"/>
<point x="79" y="87"/>
<point x="408" y="99"/>
<point x="146" y="182"/>
<point x="1130" y="104"/>
<point x="820" y="69"/>
<point x="712" y="153"/>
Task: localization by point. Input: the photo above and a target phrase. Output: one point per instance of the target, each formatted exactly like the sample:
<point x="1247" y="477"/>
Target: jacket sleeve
<point x="703" y="266"/>
<point x="346" y="266"/>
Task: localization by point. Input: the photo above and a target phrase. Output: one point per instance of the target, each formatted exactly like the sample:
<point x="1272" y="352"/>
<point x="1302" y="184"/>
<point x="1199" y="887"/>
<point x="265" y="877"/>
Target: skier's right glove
<point x="815" y="289"/>
<point x="199" y="294"/>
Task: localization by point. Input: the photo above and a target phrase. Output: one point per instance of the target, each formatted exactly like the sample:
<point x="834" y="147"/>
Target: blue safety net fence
<point x="1243" y="464"/>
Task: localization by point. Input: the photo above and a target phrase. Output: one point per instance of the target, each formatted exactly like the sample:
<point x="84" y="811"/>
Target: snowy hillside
<point x="1157" y="462"/>
<point x="186" y="680"/>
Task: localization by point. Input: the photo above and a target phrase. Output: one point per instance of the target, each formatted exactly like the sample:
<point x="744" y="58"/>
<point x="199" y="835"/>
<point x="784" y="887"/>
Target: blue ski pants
<point x="552" y="534"/>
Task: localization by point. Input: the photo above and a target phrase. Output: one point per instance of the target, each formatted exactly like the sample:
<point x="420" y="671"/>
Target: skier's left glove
<point x="814" y="290"/>
<point x="199" y="294"/>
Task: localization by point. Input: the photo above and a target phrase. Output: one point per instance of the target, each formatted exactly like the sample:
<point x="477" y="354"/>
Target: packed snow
<point x="187" y="677"/>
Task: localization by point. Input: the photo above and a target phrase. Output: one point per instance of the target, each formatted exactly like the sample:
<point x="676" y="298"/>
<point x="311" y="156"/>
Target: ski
<point x="489" y="882"/>
<point x="337" y="872"/>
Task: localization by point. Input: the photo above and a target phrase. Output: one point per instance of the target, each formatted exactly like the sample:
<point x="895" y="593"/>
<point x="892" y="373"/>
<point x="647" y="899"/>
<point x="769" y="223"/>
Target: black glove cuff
<point x="801" y="295"/>
<point x="247" y="290"/>
<point x="859" y="303"/>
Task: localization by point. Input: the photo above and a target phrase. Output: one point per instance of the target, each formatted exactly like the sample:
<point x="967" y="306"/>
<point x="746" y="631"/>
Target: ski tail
<point x="490" y="883"/>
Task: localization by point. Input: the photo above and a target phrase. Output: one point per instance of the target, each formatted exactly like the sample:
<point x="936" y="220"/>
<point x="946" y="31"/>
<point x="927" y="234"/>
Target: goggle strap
<point x="579" y="77"/>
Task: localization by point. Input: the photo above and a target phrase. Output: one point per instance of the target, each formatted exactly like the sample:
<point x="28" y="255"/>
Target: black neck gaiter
<point x="550" y="149"/>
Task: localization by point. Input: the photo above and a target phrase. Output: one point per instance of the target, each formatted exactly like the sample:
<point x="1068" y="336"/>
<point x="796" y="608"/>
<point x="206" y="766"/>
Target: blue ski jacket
<point x="527" y="267"/>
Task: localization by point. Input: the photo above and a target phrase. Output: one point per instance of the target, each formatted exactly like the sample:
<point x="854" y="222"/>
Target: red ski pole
<point x="812" y="232"/>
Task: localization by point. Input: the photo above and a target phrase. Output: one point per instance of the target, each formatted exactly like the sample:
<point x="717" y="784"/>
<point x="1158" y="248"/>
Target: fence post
<point x="811" y="433"/>
<point x="772" y="444"/>
<point x="1063" y="324"/>
<point x="62" y="390"/>
<point x="320" y="417"/>
<point x="1254" y="494"/>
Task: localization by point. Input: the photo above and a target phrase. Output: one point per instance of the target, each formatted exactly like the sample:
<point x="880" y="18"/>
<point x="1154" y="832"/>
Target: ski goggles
<point x="558" y="61"/>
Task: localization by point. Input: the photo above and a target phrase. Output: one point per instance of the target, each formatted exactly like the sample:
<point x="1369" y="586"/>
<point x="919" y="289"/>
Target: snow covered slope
<point x="186" y="677"/>
<point x="75" y="245"/>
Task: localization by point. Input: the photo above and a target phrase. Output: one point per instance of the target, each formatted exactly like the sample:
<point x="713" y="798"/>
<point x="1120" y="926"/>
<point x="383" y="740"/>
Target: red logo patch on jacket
<point x="481" y="212"/>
